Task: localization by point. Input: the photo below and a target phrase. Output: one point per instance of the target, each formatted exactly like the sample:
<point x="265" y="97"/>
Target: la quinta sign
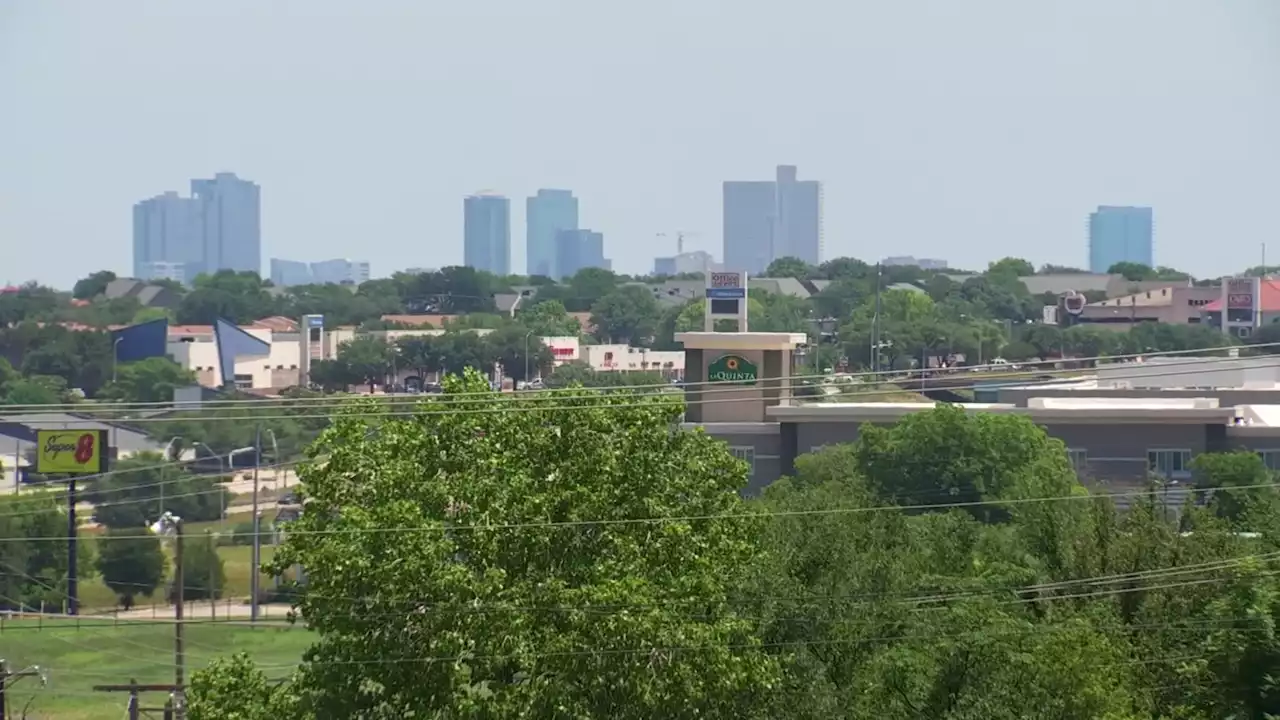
<point x="733" y="369"/>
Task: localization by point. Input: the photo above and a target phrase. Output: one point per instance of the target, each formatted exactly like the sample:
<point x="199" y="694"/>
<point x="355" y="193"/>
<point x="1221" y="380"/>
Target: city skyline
<point x="217" y="228"/>
<point x="769" y="219"/>
<point x="972" y="134"/>
<point x="486" y="232"/>
<point x="547" y="213"/>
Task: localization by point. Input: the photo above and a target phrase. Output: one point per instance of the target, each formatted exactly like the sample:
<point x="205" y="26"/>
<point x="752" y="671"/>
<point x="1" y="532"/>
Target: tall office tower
<point x="547" y="213"/>
<point x="166" y="237"/>
<point x="579" y="249"/>
<point x="486" y="242"/>
<point x="767" y="220"/>
<point x="340" y="272"/>
<point x="1120" y="234"/>
<point x="288" y="273"/>
<point x="230" y="221"/>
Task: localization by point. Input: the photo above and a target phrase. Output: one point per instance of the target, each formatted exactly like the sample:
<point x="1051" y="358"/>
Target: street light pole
<point x="257" y="538"/>
<point x="115" y="357"/>
<point x="526" y="358"/>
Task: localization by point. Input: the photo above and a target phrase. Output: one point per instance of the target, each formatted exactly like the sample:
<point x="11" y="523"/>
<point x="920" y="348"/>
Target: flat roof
<point x="1114" y="413"/>
<point x="741" y="340"/>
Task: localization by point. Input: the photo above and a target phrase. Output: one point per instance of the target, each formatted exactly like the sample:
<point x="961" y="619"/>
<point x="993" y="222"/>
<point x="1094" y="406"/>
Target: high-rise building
<point x="287" y="273"/>
<point x="767" y="220"/>
<point x="486" y="243"/>
<point x="579" y="249"/>
<point x="1120" y="234"/>
<point x="340" y="272"/>
<point x="547" y="213"/>
<point x="230" y="216"/>
<point x="166" y="237"/>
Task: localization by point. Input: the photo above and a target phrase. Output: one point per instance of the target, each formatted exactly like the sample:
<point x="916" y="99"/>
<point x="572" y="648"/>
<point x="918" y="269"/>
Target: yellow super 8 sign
<point x="71" y="452"/>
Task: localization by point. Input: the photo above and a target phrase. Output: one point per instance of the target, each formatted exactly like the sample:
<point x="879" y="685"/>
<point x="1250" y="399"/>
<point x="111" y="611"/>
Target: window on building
<point x="1270" y="458"/>
<point x="1173" y="464"/>
<point x="244" y="382"/>
<point x="746" y="454"/>
<point x="1079" y="459"/>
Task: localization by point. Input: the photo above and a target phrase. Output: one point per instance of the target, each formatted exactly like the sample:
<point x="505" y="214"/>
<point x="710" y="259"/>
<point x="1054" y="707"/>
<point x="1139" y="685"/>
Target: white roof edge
<point x="818" y="412"/>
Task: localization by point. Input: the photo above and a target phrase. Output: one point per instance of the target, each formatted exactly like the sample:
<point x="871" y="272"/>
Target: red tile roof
<point x="1270" y="300"/>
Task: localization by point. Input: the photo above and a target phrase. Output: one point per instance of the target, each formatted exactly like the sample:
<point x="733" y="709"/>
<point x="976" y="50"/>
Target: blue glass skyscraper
<point x="547" y="214"/>
<point x="486" y="242"/>
<point x="1120" y="234"/>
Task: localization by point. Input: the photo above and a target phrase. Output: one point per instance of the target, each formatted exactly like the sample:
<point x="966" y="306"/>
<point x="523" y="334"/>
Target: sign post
<point x="726" y="299"/>
<point x="71" y="453"/>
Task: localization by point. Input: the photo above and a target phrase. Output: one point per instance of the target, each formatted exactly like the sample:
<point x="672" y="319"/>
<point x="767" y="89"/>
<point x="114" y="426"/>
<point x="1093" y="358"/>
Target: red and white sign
<point x="725" y="280"/>
<point x="1240" y="293"/>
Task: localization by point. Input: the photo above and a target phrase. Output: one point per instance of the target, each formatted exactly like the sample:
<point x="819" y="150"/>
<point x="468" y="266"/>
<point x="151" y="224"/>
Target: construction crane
<point x="680" y="236"/>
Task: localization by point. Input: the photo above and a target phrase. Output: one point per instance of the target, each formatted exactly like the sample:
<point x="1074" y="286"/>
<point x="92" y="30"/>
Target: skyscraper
<point x="230" y="222"/>
<point x="547" y="213"/>
<point x="1120" y="234"/>
<point x="578" y="249"/>
<point x="166" y="234"/>
<point x="767" y="220"/>
<point x="486" y="243"/>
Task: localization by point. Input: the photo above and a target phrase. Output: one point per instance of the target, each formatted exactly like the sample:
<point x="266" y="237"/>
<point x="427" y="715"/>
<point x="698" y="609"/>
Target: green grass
<point x="101" y="652"/>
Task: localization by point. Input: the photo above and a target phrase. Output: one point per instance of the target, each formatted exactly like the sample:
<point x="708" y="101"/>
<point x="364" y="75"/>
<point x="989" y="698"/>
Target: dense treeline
<point x="591" y="563"/>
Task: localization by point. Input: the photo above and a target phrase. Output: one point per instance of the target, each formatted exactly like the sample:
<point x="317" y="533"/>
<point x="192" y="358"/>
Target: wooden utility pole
<point x="180" y="602"/>
<point x="6" y="679"/>
<point x="134" y="708"/>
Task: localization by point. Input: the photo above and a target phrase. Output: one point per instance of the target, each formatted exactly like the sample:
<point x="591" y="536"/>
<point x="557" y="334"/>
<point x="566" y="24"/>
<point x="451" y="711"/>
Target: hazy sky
<point x="965" y="130"/>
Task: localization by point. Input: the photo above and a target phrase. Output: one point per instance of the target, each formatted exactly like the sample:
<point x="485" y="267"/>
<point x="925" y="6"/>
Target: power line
<point x="1002" y="371"/>
<point x="581" y="400"/>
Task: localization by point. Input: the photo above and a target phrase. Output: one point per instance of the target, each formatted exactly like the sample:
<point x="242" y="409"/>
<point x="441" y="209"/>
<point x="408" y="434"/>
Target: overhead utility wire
<point x="454" y="527"/>
<point x="908" y="375"/>
<point x="421" y="407"/>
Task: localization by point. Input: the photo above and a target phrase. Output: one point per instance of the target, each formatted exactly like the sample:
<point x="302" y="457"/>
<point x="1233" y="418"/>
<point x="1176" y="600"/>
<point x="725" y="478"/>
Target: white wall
<point x="622" y="358"/>
<point x="200" y="355"/>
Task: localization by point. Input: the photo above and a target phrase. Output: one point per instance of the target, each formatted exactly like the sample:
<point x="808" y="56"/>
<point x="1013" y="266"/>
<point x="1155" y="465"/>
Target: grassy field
<point x="96" y="597"/>
<point x="98" y="651"/>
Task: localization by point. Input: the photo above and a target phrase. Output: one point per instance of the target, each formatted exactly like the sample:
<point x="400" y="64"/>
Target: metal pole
<point x="179" y="583"/>
<point x="875" y="327"/>
<point x="526" y="359"/>
<point x="115" y="355"/>
<point x="257" y="539"/>
<point x="73" y="593"/>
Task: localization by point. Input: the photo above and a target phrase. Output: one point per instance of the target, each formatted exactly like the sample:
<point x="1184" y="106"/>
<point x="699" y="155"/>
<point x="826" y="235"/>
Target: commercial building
<point x="286" y="273"/>
<point x="1119" y="429"/>
<point x="217" y="228"/>
<point x="764" y="221"/>
<point x="487" y="233"/>
<point x="547" y="214"/>
<point x="579" y="249"/>
<point x="694" y="261"/>
<point x="1177" y="304"/>
<point x="909" y="261"/>
<point x="1120" y="234"/>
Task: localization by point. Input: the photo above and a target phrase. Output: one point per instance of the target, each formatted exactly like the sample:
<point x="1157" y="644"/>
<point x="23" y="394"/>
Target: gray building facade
<point x="1121" y="234"/>
<point x="547" y="213"/>
<point x="231" y="223"/>
<point x="486" y="243"/>
<point x="167" y="237"/>
<point x="767" y="220"/>
<point x="579" y="249"/>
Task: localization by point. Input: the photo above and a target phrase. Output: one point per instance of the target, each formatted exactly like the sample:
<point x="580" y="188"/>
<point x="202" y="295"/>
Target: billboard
<point x="1240" y="293"/>
<point x="71" y="452"/>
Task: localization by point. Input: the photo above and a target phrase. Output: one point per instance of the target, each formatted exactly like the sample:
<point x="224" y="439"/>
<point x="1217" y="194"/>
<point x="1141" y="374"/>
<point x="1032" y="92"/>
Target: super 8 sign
<point x="71" y="452"/>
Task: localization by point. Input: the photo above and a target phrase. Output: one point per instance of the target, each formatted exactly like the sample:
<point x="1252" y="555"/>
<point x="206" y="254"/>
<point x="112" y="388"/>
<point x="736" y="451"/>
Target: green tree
<point x="1016" y="267"/>
<point x="791" y="267"/>
<point x="92" y="286"/>
<point x="366" y="359"/>
<point x="130" y="563"/>
<point x="240" y="297"/>
<point x="140" y="488"/>
<point x="233" y="688"/>
<point x="150" y="380"/>
<point x="1236" y="478"/>
<point x="203" y="575"/>
<point x="480" y="528"/>
<point x="1132" y="271"/>
<point x="33" y="565"/>
<point x="550" y="319"/>
<point x="629" y="314"/>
